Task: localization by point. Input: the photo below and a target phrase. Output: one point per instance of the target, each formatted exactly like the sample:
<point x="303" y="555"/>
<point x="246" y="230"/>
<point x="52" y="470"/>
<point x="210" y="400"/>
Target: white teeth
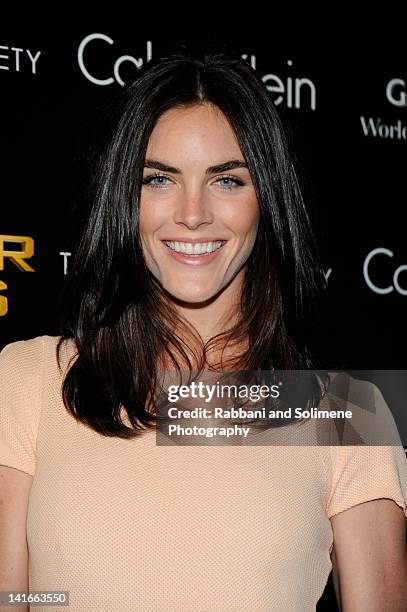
<point x="194" y="249"/>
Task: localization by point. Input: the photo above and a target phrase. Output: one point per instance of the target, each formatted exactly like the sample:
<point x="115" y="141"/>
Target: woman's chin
<point x="192" y="297"/>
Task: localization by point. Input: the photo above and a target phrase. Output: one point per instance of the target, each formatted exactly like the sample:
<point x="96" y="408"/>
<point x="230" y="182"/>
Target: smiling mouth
<point x="196" y="249"/>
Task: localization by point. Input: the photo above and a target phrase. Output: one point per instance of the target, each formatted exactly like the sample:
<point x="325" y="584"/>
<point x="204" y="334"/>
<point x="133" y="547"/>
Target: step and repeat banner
<point x="346" y="115"/>
<point x="345" y="112"/>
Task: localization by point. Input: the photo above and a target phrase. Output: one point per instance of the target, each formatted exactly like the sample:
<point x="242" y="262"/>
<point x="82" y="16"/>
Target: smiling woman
<point x="198" y="225"/>
<point x="197" y="254"/>
<point x="196" y="198"/>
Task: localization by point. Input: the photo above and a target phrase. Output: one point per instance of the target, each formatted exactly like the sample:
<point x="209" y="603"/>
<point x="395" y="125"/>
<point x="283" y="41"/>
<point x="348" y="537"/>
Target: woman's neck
<point x="213" y="317"/>
<point x="218" y="313"/>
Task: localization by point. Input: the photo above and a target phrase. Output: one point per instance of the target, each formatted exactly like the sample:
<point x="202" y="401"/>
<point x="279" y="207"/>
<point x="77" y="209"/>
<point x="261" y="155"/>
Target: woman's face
<point x="198" y="222"/>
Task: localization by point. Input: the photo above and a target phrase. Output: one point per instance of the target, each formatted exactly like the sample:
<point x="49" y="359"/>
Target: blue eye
<point x="237" y="182"/>
<point x="149" y="181"/>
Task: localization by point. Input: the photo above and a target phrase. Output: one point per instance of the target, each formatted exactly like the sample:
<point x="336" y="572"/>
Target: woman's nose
<point x="193" y="209"/>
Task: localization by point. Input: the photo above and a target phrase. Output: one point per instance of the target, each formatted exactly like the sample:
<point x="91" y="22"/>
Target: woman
<point x="195" y="158"/>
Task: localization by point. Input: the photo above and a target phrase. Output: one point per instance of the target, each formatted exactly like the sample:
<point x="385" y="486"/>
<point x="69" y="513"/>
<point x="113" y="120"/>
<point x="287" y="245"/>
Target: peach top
<point x="130" y="525"/>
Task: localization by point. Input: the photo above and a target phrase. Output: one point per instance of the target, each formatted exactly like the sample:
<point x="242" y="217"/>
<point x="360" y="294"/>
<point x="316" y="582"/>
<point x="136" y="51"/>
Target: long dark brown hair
<point x="115" y="310"/>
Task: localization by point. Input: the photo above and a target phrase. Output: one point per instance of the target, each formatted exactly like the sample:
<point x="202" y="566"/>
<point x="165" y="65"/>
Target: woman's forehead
<point x="193" y="134"/>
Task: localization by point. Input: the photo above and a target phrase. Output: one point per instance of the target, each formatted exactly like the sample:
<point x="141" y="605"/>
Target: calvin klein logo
<point x="116" y="63"/>
<point x="395" y="284"/>
<point x="294" y="92"/>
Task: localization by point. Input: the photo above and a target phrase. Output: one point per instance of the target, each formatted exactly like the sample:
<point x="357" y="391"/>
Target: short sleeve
<point x="364" y="473"/>
<point x="20" y="402"/>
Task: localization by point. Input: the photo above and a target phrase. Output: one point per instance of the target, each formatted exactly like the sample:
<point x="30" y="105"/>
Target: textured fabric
<point x="129" y="525"/>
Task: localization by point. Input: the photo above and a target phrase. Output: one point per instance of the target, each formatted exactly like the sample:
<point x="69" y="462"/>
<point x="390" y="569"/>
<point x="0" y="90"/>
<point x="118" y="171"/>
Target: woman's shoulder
<point x="21" y="383"/>
<point x="29" y="361"/>
<point x="23" y="355"/>
<point x="366" y="459"/>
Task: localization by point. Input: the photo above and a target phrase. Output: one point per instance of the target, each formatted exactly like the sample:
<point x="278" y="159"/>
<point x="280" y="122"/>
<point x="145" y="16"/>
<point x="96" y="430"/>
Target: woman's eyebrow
<point x="223" y="167"/>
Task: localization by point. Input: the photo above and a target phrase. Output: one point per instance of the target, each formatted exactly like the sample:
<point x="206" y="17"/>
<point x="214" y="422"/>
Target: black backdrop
<point x="345" y="110"/>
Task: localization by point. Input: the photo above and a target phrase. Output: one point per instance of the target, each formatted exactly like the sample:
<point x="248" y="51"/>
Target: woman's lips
<point x="194" y="260"/>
